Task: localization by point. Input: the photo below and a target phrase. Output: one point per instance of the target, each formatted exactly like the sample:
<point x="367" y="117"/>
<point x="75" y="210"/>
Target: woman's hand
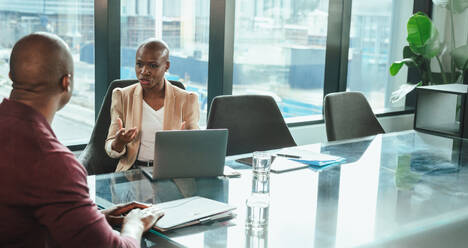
<point x="123" y="137"/>
<point x="182" y="126"/>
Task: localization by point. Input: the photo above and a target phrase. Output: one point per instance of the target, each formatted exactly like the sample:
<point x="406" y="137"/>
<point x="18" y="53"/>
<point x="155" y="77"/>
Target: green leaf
<point x="419" y="30"/>
<point x="423" y="36"/>
<point x="433" y="47"/>
<point x="459" y="5"/>
<point x="404" y="89"/>
<point x="407" y="53"/>
<point x="460" y="55"/>
<point x="396" y="66"/>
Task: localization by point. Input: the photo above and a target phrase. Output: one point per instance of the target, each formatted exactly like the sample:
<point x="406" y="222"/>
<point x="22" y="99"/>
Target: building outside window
<point x="377" y="37"/>
<point x="280" y="51"/>
<point x="73" y="21"/>
<point x="184" y="26"/>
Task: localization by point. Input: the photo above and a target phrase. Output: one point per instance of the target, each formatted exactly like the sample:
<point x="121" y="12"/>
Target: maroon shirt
<point x="44" y="199"/>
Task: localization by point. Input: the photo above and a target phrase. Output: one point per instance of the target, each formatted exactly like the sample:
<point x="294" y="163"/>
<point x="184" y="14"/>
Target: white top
<point x="151" y="122"/>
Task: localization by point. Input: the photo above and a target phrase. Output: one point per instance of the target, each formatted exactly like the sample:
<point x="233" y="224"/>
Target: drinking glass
<point x="258" y="205"/>
<point x="261" y="162"/>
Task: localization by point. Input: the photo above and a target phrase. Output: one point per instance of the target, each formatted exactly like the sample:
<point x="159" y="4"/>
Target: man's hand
<point x="147" y="217"/>
<point x="114" y="215"/>
<point x="123" y="137"/>
<point x="139" y="221"/>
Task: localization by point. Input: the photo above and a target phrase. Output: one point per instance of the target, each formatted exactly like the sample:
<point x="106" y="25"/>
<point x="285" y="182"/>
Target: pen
<point x="287" y="155"/>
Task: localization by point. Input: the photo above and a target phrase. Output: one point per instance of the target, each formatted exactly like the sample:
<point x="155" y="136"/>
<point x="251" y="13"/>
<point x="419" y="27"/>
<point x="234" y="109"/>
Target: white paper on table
<point x="309" y="157"/>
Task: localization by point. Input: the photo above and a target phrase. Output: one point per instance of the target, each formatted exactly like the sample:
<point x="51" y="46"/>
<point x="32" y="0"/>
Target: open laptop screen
<point x="189" y="153"/>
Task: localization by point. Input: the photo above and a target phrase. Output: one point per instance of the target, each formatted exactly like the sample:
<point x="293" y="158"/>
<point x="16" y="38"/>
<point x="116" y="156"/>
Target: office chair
<point x="254" y="122"/>
<point x="348" y="115"/>
<point x="94" y="158"/>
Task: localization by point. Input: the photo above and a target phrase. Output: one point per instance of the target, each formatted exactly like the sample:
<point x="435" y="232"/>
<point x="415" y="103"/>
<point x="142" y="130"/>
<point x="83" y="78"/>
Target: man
<point x="142" y="109"/>
<point x="44" y="200"/>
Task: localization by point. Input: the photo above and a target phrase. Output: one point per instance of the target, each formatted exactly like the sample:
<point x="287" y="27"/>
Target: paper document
<point x="92" y="187"/>
<point x="190" y="211"/>
<point x="293" y="158"/>
<point x="230" y="172"/>
<point x="282" y="164"/>
<point x="308" y="157"/>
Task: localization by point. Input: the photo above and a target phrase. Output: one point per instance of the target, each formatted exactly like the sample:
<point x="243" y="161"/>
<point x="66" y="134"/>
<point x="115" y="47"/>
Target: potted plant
<point x="424" y="46"/>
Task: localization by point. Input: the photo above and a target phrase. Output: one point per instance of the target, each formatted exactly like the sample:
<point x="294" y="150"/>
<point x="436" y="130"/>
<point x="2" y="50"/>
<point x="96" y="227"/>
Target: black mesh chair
<point x="348" y="115"/>
<point x="94" y="158"/>
<point x="254" y="122"/>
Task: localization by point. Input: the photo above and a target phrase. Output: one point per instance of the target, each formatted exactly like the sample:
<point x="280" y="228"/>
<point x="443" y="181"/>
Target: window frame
<point x="221" y="42"/>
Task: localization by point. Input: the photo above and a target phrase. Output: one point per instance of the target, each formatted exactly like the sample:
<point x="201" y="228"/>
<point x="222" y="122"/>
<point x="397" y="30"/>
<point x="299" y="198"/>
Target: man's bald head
<point x="156" y="45"/>
<point x="39" y="62"/>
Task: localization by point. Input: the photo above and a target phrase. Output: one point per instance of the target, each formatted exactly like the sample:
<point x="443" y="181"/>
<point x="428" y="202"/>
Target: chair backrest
<point x="94" y="158"/>
<point x="254" y="122"/>
<point x="348" y="115"/>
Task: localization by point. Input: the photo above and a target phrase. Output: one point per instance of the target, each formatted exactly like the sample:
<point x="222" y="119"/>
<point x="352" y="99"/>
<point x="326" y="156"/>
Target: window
<point x="73" y="21"/>
<point x="377" y="38"/>
<point x="184" y="26"/>
<point x="279" y="50"/>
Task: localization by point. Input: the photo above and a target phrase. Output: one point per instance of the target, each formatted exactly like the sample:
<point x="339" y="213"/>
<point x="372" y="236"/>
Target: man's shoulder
<point x="62" y="163"/>
<point x="31" y="135"/>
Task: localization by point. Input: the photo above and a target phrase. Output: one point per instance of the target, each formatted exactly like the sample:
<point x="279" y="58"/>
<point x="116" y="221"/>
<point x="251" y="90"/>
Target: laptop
<point x="191" y="211"/>
<point x="188" y="153"/>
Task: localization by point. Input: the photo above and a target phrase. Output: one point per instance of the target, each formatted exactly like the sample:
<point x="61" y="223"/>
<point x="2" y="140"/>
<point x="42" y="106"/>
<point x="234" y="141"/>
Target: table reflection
<point x="256" y="238"/>
<point x="389" y="183"/>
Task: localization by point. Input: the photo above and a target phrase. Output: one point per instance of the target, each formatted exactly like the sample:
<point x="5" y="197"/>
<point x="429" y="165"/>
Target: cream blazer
<point x="127" y="103"/>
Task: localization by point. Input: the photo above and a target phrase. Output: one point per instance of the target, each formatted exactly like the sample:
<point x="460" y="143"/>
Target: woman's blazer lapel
<point x="170" y="122"/>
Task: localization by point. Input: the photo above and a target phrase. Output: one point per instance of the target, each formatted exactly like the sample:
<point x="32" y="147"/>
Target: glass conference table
<point x="401" y="189"/>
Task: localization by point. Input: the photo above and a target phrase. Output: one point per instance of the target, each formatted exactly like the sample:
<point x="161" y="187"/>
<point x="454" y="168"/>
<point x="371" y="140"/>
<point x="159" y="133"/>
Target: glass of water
<point x="256" y="238"/>
<point x="258" y="205"/>
<point x="261" y="162"/>
<point x="260" y="184"/>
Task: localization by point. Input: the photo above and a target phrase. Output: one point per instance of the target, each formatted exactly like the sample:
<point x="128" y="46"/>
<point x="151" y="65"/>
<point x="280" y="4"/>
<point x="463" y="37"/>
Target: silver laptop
<point x="188" y="153"/>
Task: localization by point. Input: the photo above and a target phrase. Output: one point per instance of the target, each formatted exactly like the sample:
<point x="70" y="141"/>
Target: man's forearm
<point x="133" y="229"/>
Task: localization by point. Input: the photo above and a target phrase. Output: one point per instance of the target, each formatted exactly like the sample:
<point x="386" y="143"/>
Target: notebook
<point x="188" y="153"/>
<point x="288" y="159"/>
<point x="191" y="211"/>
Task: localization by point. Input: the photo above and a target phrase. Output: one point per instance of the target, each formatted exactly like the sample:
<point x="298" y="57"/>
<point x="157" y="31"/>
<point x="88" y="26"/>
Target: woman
<point x="140" y="110"/>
